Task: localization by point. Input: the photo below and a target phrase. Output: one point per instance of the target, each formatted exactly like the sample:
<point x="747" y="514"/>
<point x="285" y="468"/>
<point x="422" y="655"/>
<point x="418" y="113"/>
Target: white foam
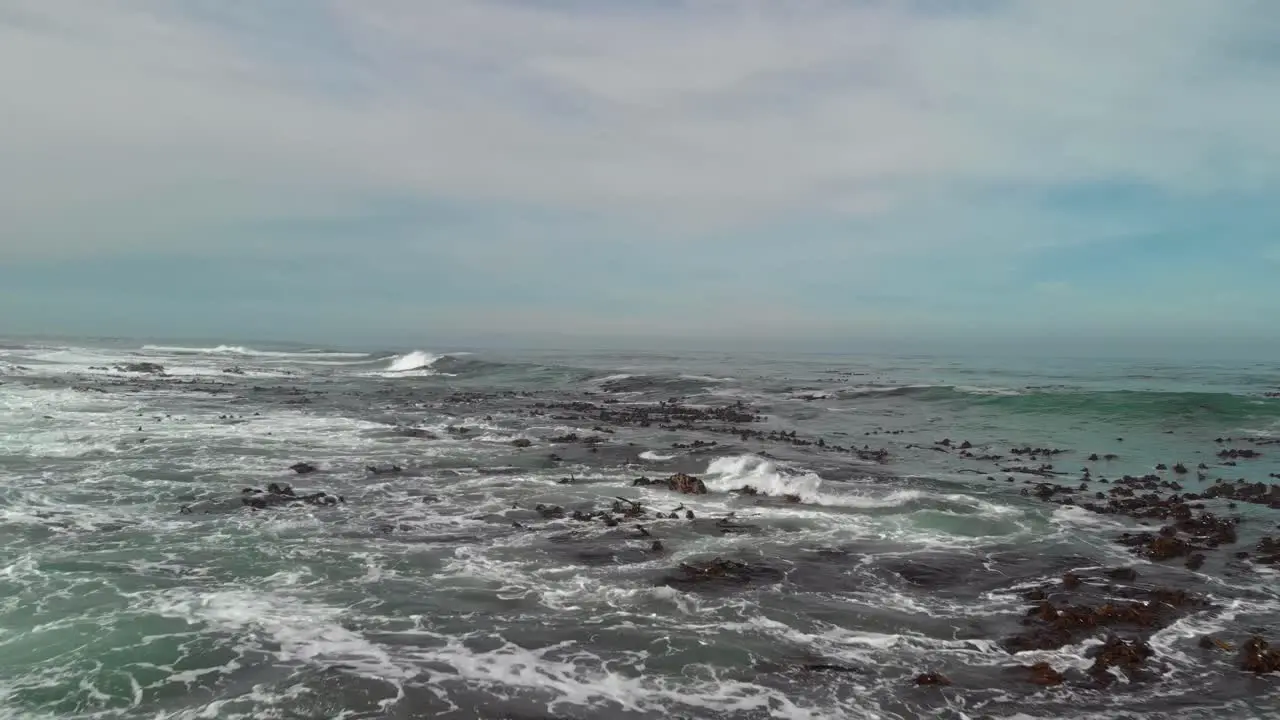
<point x="976" y="390"/>
<point x="612" y="378"/>
<point x="302" y="631"/>
<point x="652" y="456"/>
<point x="246" y="351"/>
<point x="880" y="389"/>
<point x="415" y="364"/>
<point x="730" y="473"/>
<point x="576" y="677"/>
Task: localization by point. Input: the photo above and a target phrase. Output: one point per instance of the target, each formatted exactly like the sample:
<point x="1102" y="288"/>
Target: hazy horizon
<point x="727" y="174"/>
<point x="1165" y="350"/>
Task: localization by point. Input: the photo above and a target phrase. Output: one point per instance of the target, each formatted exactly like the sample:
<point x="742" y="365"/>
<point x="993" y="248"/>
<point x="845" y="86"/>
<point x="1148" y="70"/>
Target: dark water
<point x="441" y="590"/>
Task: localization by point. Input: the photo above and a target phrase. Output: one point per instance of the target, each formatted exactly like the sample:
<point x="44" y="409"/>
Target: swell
<point x="1110" y="404"/>
<point x="657" y="383"/>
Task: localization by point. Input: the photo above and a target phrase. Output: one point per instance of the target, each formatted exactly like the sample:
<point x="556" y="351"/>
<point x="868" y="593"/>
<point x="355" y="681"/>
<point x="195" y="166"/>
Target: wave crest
<point x="727" y="474"/>
<point x="416" y="360"/>
<point x="246" y="352"/>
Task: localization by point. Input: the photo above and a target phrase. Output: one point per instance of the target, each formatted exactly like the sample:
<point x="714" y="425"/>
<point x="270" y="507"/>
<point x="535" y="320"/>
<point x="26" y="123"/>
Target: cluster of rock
<point x="680" y="482"/>
<point x="277" y="495"/>
<point x="732" y="419"/>
<point x="720" y="572"/>
<point x="148" y="368"/>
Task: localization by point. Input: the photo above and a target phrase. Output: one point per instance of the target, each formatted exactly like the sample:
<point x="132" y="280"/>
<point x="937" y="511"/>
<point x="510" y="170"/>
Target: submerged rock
<point x="1128" y="655"/>
<point x="149" y="368"/>
<point x="933" y="679"/>
<point x="720" y="573"/>
<point x="1042" y="673"/>
<point x="1054" y="626"/>
<point x="277" y="495"/>
<point x="303" y="468"/>
<point x="1258" y="657"/>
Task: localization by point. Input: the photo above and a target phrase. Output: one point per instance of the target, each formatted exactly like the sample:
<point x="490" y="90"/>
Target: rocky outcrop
<point x="720" y="573"/>
<point x="680" y="482"/>
<point x="687" y="484"/>
<point x="1258" y="657"/>
<point x="1127" y="655"/>
<point x="149" y="368"/>
<point x="277" y="495"/>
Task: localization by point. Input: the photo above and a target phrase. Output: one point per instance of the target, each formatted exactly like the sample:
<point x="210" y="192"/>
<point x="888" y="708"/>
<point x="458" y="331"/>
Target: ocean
<point x="295" y="532"/>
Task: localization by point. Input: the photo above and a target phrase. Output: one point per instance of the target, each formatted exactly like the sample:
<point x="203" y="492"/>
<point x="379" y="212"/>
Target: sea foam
<point x="416" y="360"/>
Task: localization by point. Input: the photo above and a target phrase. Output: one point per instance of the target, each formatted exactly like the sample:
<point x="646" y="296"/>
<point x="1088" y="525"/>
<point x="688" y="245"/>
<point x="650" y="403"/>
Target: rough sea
<point x="869" y="544"/>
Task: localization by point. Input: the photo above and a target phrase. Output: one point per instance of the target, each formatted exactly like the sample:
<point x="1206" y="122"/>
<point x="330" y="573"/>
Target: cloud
<point x="872" y="133"/>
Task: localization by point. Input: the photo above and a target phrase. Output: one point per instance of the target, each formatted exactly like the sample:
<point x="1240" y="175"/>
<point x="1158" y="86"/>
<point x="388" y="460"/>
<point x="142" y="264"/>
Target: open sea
<point x="869" y="544"/>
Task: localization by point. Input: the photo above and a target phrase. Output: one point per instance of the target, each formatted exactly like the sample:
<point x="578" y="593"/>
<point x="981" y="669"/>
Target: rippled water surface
<point x="136" y="583"/>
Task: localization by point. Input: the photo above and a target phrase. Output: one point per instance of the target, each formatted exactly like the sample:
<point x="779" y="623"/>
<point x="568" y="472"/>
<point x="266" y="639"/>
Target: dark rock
<point x="522" y="442"/>
<point x="149" y="368"/>
<point x="720" y="574"/>
<point x="1054" y="626"/>
<point x="1128" y="655"/>
<point x="1208" y="642"/>
<point x="277" y="495"/>
<point x="933" y="679"/>
<point x="1042" y="673"/>
<point x="416" y="433"/>
<point x="687" y="484"/>
<point x="1257" y="657"/>
<point x="303" y="468"/>
<point x="550" y="512"/>
<point x="1127" y="574"/>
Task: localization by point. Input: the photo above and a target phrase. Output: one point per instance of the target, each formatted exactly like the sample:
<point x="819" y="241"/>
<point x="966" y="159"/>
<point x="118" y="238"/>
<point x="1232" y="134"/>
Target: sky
<point x="807" y="170"/>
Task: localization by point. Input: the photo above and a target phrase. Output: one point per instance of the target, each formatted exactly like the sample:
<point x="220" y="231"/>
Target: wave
<point x="1109" y="404"/>
<point x="727" y="474"/>
<point x="416" y="360"/>
<point x="1140" y="404"/>
<point x="246" y="351"/>
<point x="925" y="391"/>
<point x="662" y="385"/>
<point x="652" y="456"/>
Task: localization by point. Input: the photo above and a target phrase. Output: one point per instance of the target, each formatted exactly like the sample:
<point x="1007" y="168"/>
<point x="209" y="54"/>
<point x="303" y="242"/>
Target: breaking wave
<point x="731" y="473"/>
<point x="416" y="360"/>
<point x="727" y="474"/>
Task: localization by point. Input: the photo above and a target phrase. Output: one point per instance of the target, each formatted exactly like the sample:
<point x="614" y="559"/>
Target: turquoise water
<point x="419" y="596"/>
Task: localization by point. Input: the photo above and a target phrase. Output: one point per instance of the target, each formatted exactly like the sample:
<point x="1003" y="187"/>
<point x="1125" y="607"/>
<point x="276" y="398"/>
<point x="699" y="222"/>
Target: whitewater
<point x="444" y="550"/>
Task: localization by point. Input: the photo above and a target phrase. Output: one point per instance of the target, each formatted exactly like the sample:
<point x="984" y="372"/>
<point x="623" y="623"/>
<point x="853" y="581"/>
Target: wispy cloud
<point x="789" y="152"/>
